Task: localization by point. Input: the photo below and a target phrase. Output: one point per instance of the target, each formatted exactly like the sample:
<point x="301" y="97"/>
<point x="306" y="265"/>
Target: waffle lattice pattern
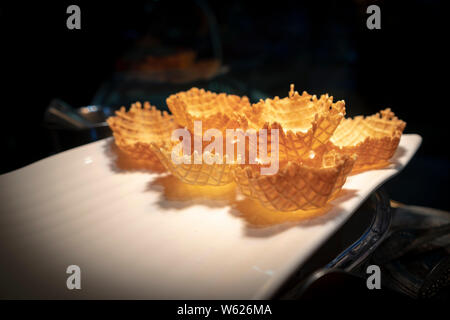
<point x="305" y="122"/>
<point x="373" y="139"/>
<point x="218" y="111"/>
<point x="317" y="147"/>
<point x="296" y="186"/>
<point x="197" y="174"/>
<point x="136" y="129"/>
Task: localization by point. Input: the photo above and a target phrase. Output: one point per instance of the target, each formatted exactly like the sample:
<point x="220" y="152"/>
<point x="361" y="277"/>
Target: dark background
<point x="321" y="46"/>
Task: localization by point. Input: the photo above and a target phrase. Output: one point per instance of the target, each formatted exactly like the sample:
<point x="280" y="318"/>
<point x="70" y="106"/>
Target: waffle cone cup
<point x="297" y="185"/>
<point x="218" y="111"/>
<point x="373" y="139"/>
<point x="316" y="147"/>
<point x="202" y="174"/>
<point x="305" y="123"/>
<point x="136" y="129"/>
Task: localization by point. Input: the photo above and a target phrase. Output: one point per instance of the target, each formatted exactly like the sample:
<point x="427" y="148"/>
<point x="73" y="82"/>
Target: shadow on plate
<point x="121" y="162"/>
<point x="175" y="194"/>
<point x="259" y="221"/>
<point x="262" y="222"/>
<point x="397" y="155"/>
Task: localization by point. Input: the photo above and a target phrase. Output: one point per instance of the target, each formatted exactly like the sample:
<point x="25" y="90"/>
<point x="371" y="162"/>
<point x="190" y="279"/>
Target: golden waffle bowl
<point x="219" y="111"/>
<point x="317" y="147"/>
<point x="136" y="129"/>
<point x="374" y="139"/>
<point x="297" y="185"/>
<point x="305" y="122"/>
<point x="202" y="174"/>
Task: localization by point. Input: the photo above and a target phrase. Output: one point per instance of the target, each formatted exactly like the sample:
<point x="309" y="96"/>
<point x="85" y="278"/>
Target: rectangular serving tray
<point x="138" y="235"/>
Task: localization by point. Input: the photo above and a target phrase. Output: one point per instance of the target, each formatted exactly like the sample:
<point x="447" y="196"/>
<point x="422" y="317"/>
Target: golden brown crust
<point x="141" y="125"/>
<point x="304" y="121"/>
<point x="373" y="139"/>
<point x="317" y="147"/>
<point x="197" y="174"/>
<point x="296" y="186"/>
<point x="219" y="111"/>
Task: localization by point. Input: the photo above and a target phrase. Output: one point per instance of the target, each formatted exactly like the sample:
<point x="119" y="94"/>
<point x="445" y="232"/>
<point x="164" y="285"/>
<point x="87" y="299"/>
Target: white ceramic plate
<point x="140" y="235"/>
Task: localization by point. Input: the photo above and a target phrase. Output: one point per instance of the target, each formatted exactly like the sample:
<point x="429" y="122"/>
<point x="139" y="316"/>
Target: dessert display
<point x="288" y="154"/>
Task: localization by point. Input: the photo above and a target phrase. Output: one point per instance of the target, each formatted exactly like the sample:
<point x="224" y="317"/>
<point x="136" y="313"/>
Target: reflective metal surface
<point x="349" y="248"/>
